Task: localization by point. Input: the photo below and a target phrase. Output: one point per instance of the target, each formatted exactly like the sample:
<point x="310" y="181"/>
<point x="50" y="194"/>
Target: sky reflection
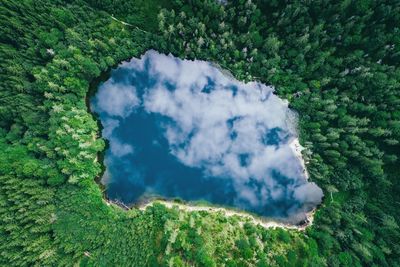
<point x="180" y="128"/>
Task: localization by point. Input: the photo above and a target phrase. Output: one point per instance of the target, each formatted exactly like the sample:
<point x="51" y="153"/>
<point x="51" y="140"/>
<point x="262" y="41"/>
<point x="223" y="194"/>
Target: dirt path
<point x="127" y="24"/>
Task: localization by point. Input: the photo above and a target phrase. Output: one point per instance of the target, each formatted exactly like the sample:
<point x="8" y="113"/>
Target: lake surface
<point x="185" y="129"/>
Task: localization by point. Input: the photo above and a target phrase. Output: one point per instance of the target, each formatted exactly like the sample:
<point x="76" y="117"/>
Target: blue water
<point x="183" y="129"/>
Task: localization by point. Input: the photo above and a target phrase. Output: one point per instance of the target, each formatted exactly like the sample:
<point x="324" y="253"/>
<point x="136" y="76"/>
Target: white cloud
<point x="117" y="148"/>
<point x="203" y="117"/>
<point x="116" y="99"/>
<point x="308" y="193"/>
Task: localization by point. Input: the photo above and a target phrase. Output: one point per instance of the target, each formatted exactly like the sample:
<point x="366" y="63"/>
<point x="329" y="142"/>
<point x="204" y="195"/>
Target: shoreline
<point x="297" y="149"/>
<point x="267" y="223"/>
<point x="187" y="206"/>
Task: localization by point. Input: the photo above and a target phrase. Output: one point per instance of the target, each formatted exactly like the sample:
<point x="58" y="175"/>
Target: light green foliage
<point x="337" y="63"/>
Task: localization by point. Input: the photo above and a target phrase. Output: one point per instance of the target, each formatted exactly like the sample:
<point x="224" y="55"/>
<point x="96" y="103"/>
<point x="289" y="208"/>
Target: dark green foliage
<point x="27" y="208"/>
<point x="336" y="62"/>
<point x="338" y="66"/>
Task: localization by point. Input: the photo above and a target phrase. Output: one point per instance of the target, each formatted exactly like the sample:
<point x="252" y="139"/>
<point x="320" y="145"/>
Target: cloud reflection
<point x="230" y="131"/>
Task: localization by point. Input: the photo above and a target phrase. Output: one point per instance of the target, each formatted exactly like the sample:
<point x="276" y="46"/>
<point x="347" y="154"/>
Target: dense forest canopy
<point x="337" y="62"/>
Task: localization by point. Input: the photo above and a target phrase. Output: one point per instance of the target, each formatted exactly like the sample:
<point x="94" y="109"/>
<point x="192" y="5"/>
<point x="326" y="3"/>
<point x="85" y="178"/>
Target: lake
<point x="186" y="129"/>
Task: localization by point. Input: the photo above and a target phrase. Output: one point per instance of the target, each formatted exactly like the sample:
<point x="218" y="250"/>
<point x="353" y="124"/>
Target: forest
<point x="337" y="62"/>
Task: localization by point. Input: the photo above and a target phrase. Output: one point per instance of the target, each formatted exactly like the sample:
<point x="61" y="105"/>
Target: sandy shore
<point x="297" y="148"/>
<point x="229" y="213"/>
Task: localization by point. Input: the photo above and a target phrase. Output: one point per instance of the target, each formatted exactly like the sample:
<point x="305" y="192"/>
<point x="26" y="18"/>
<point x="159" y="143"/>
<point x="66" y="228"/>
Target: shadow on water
<point x="93" y="87"/>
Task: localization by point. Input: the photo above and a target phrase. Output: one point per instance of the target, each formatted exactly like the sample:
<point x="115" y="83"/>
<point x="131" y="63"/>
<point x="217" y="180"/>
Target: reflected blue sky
<point x="179" y="128"/>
